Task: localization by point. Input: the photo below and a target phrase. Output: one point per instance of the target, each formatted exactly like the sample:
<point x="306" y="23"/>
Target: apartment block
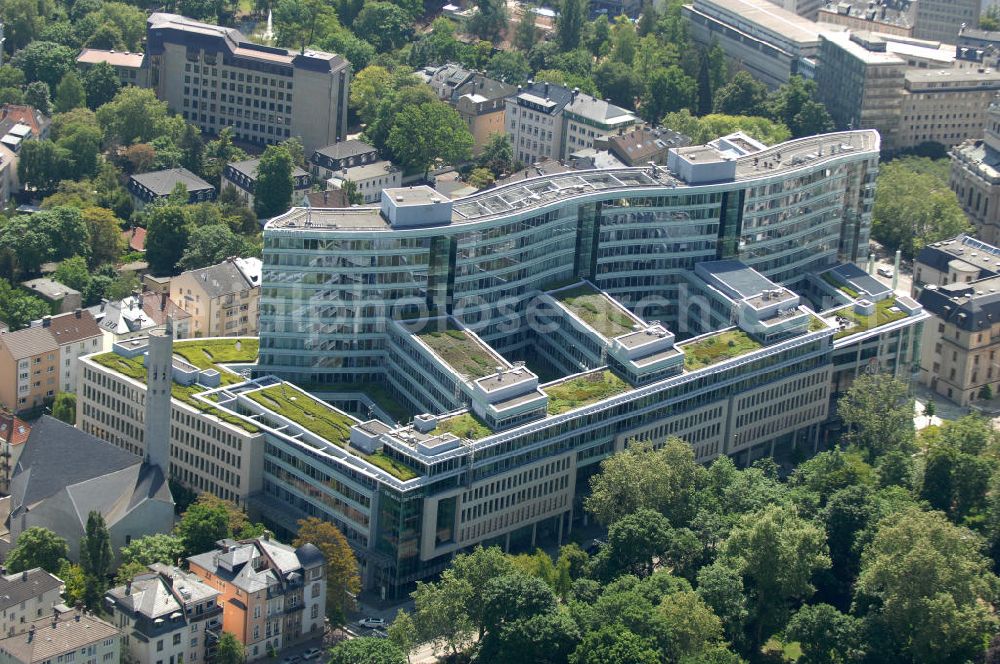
<point x="241" y="176"/>
<point x="957" y="281"/>
<point x="146" y="188"/>
<point x="975" y="178"/>
<point x="26" y="597"/>
<point x="941" y="20"/>
<point x="215" y="78"/>
<point x="478" y="99"/>
<point x="29" y="364"/>
<point x="370" y="179"/>
<point x="548" y="121"/>
<point x="80" y="637"/>
<point x="222" y="299"/>
<point x="166" y="615"/>
<point x="272" y="595"/>
<point x="128" y="66"/>
<point x="77" y="334"/>
<point x="770" y="42"/>
<point x="327" y="160"/>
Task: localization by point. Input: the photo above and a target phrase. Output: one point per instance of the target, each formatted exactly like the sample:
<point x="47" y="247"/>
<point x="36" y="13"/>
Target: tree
<point x="229" y="650"/>
<point x="209" y="245"/>
<point x="158" y="548"/>
<point x="74" y="581"/>
<point x="476" y="569"/>
<point x="617" y="82"/>
<point x="37" y="94"/>
<point x="825" y="635"/>
<point x="385" y="25"/>
<point x="569" y="23"/>
<point x="101" y="84"/>
<point x="128" y="571"/>
<point x="513" y="597"/>
<point x="743" y="95"/>
<point x="914" y="208"/>
<point x="440" y="614"/>
<point x="544" y="638"/>
<point x="403" y="632"/>
<point x="64" y="407"/>
<point x="135" y="115"/>
<point x="669" y="90"/>
<point x="692" y="628"/>
<point x="273" y="192"/>
<point x="489" y="21"/>
<point x="925" y="590"/>
<point x="614" y="644"/>
<point x="70" y="93"/>
<point x="167" y="235"/>
<point x="422" y="135"/>
<point x="794" y="104"/>
<point x="990" y="19"/>
<point x="640" y="477"/>
<point x="342" y="577"/>
<point x="45" y="61"/>
<point x="525" y="34"/>
<point x="509" y="67"/>
<point x="37" y="547"/>
<point x="96" y="557"/>
<point x="721" y="588"/>
<point x="367" y="88"/>
<point x="878" y="414"/>
<point x="73" y="272"/>
<point x="366" y="650"/>
<point x="635" y="541"/>
<point x="776" y="552"/>
<point x="498" y="155"/>
<point x="480" y="178"/>
<point x="42" y="165"/>
<point x="25" y="247"/>
<point x="106" y="241"/>
<point x="18" y="308"/>
<point x="710" y="127"/>
<point x="202" y="525"/>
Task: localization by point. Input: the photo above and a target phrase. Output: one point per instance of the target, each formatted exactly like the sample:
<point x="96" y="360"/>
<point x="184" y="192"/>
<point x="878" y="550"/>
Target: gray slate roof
<point x="222" y="279"/>
<point x="248" y="167"/>
<point x="344" y="149"/>
<point x="162" y="183"/>
<point x="28" y="342"/>
<point x="20" y="587"/>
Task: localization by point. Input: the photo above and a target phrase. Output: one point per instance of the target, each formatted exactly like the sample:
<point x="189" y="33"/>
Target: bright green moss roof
<point x="583" y="390"/>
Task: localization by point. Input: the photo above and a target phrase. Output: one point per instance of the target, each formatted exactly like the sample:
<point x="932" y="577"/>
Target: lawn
<point x="131" y="367"/>
<point x="461" y="352"/>
<point x="595" y="310"/>
<point x="390" y="465"/>
<point x="716" y="348"/>
<point x="377" y="393"/>
<point x="466" y="426"/>
<point x="583" y="390"/>
<point x="309" y="413"/>
<point x="882" y="316"/>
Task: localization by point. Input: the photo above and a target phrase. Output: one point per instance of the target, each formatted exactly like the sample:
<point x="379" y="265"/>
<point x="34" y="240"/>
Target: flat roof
<point x="768" y="16"/>
<point x="92" y="56"/>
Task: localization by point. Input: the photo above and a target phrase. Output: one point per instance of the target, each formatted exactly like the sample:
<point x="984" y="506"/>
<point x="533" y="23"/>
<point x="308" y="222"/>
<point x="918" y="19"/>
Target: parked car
<point x="312" y="653"/>
<point x="885" y="272"/>
<point x="372" y="623"/>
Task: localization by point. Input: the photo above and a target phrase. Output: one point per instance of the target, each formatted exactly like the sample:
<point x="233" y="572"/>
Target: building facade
<point x="327" y="160"/>
<point x="222" y="300"/>
<point x="166" y="615"/>
<point x="29" y="364"/>
<point x="215" y="78"/>
<point x="80" y="637"/>
<point x="146" y="188"/>
<point x="241" y="176"/>
<point x="975" y="178"/>
<point x="27" y="596"/>
<point x="370" y="179"/>
<point x="942" y="20"/>
<point x="128" y="66"/>
<point x="272" y="595"/>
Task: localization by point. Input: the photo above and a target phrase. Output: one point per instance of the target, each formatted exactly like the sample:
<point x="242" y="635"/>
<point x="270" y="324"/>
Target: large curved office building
<point x="485" y="354"/>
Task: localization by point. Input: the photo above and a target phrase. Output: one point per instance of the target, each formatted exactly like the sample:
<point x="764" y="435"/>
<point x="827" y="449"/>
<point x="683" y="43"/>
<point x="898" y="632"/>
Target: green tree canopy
<point x="167" y="233"/>
<point x="422" y="135"/>
<point x="70" y="93"/>
<point x="158" y="548"/>
<point x="273" y="191"/>
<point x="37" y="547"/>
<point x="366" y="650"/>
<point x="64" y="407"/>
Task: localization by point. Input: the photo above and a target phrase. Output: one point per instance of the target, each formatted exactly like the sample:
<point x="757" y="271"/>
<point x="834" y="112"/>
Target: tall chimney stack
<point x="159" y="378"/>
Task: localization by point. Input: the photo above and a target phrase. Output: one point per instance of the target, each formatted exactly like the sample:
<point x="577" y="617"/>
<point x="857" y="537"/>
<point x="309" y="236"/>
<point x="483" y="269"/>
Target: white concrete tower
<point x="159" y="378"/>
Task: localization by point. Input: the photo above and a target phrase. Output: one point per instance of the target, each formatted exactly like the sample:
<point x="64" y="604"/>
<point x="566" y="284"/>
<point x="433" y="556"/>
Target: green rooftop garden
<point x="816" y="324"/>
<point x="583" y="390"/>
<point x="596" y="310"/>
<point x="862" y="322"/>
<point x="465" y="425"/>
<point x="463" y="353"/>
<point x="320" y="419"/>
<point x="210" y="353"/>
<point x="374" y="391"/>
<point x="717" y="348"/>
<point x="847" y="290"/>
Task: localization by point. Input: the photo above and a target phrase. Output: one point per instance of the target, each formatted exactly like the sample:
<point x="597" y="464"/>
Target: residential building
<point x="242" y="177"/>
<point x="757" y="35"/>
<point x="545" y="120"/>
<point x="956" y="282"/>
<point x="223" y="300"/>
<point x="65" y="473"/>
<point x="326" y="161"/>
<point x="209" y="451"/>
<point x="941" y="20"/>
<point x="478" y="99"/>
<point x="981" y="44"/>
<point x="12" y="115"/>
<point x="643" y="145"/>
<point x="9" y="183"/>
<point x="913" y="92"/>
<point x="808" y="9"/>
<point x="215" y="78"/>
<point x="327" y="198"/>
<point x="975" y="178"/>
<point x="29" y="364"/>
<point x="13" y="434"/>
<point x="139" y="314"/>
<point x="370" y="179"/>
<point x="272" y="595"/>
<point x="76" y="636"/>
<point x="25" y="597"/>
<point x="890" y="19"/>
<point x="155" y="185"/>
<point x="76" y="334"/>
<point x="62" y="298"/>
<point x="166" y="615"/>
<point x="128" y="66"/>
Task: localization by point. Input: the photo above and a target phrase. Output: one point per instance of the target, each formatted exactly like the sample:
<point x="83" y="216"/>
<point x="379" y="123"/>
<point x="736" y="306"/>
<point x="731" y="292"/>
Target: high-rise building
<point x="941" y="20"/>
<point x="215" y="78"/>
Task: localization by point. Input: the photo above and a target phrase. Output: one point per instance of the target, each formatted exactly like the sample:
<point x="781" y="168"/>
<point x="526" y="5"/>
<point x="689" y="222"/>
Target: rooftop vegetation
<point x="463" y="353"/>
<point x="862" y="322"/>
<point x="319" y="418"/>
<point x="716" y="348"/>
<point x="374" y="391"/>
<point x="211" y="353"/>
<point x="596" y="310"/>
<point x="847" y="290"/>
<point x="466" y="426"/>
<point x="583" y="390"/>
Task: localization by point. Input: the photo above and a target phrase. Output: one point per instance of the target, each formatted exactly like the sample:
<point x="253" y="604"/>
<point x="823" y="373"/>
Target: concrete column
<point x="159" y="379"/>
<point x="562" y="518"/>
<point x="534" y="532"/>
<point x="506" y="543"/>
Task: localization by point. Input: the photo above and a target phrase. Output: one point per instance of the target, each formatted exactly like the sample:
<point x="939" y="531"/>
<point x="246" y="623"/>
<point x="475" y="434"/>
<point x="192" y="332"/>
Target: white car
<point x="312" y="653"/>
<point x="885" y="272"/>
<point x="372" y="623"/>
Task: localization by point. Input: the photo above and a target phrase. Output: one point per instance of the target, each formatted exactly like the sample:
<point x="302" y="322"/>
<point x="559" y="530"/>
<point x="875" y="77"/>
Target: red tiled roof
<point x="13" y="429"/>
<point x="136" y="238"/>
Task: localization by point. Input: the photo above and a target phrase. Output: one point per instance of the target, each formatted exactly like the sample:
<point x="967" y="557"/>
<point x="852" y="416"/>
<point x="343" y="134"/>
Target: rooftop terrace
<point x="853" y="322"/>
<point x="583" y="390"/>
<point x="462" y="352"/>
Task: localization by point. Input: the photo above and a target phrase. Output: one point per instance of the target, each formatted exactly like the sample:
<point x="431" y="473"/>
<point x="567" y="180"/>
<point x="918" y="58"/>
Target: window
<point x="315" y="590"/>
<point x="159" y="645"/>
<point x="177" y="639"/>
<point x="315" y="611"/>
